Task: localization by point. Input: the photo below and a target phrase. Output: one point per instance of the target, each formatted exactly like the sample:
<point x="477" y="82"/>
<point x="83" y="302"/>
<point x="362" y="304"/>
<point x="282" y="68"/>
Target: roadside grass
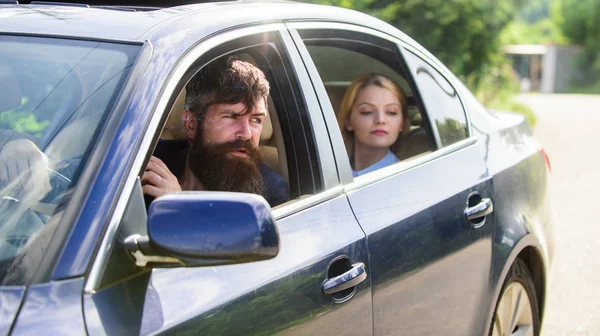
<point x="590" y="89"/>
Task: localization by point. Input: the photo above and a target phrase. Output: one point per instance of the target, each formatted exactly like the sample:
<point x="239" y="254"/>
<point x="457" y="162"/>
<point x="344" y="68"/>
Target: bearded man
<point x="225" y="107"/>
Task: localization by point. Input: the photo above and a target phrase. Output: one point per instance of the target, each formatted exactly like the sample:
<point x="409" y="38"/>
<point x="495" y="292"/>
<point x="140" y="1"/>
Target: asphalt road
<point x="568" y="128"/>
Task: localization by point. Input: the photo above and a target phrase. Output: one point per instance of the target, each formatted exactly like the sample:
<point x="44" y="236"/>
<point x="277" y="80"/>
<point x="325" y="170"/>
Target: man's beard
<point x="217" y="168"/>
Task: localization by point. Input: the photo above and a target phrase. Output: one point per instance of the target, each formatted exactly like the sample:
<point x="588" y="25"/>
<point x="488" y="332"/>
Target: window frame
<point x="400" y="42"/>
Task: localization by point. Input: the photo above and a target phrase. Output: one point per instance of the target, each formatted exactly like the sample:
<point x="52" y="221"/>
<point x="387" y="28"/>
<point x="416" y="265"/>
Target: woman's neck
<point x="366" y="156"/>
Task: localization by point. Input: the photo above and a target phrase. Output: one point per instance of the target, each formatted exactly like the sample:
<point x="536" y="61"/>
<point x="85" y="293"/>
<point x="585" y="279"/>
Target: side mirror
<point x="210" y="228"/>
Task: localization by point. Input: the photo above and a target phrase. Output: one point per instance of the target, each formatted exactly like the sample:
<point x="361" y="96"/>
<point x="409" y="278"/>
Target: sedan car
<point x="454" y="239"/>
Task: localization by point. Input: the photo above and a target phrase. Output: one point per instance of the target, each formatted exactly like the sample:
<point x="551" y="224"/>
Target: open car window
<point x="54" y="96"/>
<point x="344" y="60"/>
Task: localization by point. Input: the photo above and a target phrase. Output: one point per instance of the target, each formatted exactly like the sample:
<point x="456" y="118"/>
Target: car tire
<point x="516" y="311"/>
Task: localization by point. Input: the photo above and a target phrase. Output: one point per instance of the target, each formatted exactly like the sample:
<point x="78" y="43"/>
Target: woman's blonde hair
<point x="360" y="83"/>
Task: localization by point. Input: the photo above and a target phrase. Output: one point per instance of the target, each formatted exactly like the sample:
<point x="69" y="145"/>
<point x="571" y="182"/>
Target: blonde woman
<point x="372" y="116"/>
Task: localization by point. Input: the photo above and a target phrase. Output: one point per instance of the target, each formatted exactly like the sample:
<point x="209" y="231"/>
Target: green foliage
<point x="497" y="91"/>
<point x="463" y="34"/>
<point x="22" y="120"/>
<point x="580" y="23"/>
<point x="544" y="31"/>
<point x="535" y="10"/>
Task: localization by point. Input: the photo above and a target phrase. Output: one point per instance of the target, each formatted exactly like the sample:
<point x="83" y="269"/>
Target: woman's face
<point x="375" y="118"/>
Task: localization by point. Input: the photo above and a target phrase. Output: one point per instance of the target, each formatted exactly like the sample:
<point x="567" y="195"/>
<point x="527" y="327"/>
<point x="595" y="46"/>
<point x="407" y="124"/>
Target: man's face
<point x="224" y="153"/>
<point x="229" y="122"/>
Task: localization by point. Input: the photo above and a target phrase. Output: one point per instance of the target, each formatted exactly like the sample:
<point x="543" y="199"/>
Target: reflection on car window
<point x="54" y="94"/>
<point x="441" y="100"/>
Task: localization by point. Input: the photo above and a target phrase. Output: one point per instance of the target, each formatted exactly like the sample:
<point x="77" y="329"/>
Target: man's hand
<point x="23" y="172"/>
<point x="158" y="179"/>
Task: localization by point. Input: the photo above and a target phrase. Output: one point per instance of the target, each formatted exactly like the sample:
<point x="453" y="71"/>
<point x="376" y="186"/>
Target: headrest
<point x="174" y="129"/>
<point x="10" y="94"/>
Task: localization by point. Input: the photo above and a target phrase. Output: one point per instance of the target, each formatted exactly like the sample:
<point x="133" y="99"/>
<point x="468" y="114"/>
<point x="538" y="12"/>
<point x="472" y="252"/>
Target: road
<point x="568" y="128"/>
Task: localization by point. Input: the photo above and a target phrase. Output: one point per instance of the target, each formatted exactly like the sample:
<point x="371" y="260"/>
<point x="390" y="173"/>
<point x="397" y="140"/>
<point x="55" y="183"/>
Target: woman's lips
<point x="379" y="132"/>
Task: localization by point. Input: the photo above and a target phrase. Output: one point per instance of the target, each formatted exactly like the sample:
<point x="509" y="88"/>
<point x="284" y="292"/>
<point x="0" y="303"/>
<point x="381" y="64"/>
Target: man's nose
<point x="244" y="132"/>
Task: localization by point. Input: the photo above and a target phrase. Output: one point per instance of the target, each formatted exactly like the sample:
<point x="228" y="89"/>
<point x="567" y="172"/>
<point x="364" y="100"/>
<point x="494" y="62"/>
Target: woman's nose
<point x="379" y="117"/>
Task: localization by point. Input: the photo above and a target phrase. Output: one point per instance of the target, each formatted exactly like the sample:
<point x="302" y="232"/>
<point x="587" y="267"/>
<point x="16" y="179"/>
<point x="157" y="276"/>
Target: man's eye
<point x="231" y="116"/>
<point x="257" y="120"/>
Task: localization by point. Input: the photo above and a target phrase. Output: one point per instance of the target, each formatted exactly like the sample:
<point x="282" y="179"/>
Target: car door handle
<point x="351" y="278"/>
<point x="483" y="208"/>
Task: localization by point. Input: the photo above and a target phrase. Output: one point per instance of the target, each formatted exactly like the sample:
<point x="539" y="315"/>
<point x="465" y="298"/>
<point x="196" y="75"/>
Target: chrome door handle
<point x="484" y="208"/>
<point x="351" y="278"/>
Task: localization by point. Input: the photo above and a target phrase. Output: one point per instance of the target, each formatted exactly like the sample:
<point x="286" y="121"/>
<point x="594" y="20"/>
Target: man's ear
<point x="189" y="124"/>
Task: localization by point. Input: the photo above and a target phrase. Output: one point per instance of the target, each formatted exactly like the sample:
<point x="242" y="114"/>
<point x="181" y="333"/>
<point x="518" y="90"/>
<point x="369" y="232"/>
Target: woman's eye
<point x="392" y="113"/>
<point x="366" y="112"/>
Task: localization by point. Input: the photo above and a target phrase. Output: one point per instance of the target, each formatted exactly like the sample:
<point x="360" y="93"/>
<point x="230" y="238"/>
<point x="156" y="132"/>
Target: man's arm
<point x="158" y="179"/>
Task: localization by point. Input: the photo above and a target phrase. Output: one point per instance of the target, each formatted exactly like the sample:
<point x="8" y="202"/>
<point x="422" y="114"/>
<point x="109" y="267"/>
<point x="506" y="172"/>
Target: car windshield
<point x="54" y="96"/>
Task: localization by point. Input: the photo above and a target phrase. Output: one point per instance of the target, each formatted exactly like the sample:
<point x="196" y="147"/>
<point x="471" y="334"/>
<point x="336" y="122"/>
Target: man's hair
<point x="225" y="81"/>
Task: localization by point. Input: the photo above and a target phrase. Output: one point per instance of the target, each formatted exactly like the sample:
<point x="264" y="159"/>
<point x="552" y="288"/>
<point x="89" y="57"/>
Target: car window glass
<point x="441" y="101"/>
<point x="342" y="58"/>
<point x="54" y="95"/>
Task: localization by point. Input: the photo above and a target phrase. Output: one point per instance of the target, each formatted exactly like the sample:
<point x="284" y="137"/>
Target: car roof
<point x="119" y="23"/>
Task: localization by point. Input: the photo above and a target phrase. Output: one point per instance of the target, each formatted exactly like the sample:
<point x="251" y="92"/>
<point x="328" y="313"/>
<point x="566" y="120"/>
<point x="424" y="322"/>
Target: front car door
<point x="429" y="265"/>
<point x="319" y="235"/>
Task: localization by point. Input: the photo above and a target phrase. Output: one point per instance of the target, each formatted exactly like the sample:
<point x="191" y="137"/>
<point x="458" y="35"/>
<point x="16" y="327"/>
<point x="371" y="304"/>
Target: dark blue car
<point x="454" y="239"/>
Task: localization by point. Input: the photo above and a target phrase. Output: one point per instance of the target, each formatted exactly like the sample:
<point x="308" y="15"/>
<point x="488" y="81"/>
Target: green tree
<point x="580" y="23"/>
<point x="463" y="34"/>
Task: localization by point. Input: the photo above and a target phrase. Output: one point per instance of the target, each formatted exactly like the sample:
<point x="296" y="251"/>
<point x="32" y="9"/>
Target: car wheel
<point x="516" y="310"/>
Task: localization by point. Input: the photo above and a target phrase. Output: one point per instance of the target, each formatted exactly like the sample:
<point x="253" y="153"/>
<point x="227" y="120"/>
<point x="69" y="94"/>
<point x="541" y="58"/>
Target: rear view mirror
<point x="212" y="228"/>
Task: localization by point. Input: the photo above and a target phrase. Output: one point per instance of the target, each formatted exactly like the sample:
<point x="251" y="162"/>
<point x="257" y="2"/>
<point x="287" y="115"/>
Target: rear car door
<point x="319" y="236"/>
<point x="429" y="264"/>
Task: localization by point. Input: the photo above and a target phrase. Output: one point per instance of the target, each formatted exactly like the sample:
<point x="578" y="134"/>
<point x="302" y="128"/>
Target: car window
<point x="365" y="80"/>
<point x="441" y="101"/>
<point x="54" y="95"/>
<point x="286" y="145"/>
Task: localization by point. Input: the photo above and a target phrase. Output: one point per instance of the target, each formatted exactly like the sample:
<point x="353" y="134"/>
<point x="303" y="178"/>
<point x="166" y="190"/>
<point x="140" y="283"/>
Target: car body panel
<point x="52" y="308"/>
<point x="524" y="211"/>
<point x="10" y="302"/>
<point x="430" y="266"/>
<point x="94" y="23"/>
<point x="62" y="20"/>
<point x="278" y="295"/>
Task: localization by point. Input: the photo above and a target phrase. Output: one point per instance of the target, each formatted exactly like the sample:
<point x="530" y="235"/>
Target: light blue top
<point x="387" y="160"/>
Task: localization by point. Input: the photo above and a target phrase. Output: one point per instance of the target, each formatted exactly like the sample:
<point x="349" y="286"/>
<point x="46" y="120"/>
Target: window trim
<point x="351" y="183"/>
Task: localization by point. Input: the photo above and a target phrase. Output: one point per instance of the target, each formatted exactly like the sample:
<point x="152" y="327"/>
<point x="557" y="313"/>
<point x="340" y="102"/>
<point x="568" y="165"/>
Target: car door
<point x="319" y="236"/>
<point x="430" y="265"/>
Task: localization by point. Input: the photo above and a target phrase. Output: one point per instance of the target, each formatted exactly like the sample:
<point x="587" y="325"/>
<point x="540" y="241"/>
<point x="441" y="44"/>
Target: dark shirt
<point x="174" y="154"/>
